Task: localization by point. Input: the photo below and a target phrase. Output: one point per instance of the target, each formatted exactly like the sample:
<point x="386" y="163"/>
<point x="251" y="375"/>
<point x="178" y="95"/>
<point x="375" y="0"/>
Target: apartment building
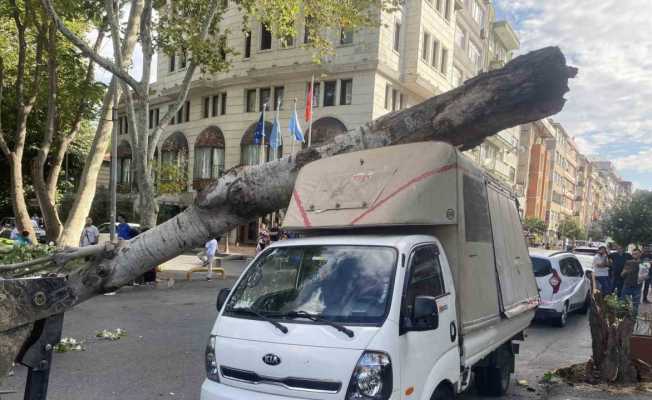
<point x="482" y="44"/>
<point x="373" y="71"/>
<point x="535" y="162"/>
<point x="563" y="177"/>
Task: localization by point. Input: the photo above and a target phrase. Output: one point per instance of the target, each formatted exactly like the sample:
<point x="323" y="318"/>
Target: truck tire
<point x="443" y="392"/>
<point x="494" y="378"/>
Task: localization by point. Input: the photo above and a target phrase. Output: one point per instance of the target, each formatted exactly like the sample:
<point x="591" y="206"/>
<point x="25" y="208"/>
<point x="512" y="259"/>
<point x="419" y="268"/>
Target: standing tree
<point x="630" y="222"/>
<point x="569" y="228"/>
<point x="528" y="88"/>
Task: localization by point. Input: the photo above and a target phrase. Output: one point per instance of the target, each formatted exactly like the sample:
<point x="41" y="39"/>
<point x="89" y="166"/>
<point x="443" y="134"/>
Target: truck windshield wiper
<point x="316" y="318"/>
<point x="249" y="310"/>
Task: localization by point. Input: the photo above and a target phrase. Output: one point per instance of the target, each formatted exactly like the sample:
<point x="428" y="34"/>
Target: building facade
<point x="373" y="71"/>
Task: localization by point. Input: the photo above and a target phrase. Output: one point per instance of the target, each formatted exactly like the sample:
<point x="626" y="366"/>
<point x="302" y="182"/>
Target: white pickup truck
<point x="411" y="276"/>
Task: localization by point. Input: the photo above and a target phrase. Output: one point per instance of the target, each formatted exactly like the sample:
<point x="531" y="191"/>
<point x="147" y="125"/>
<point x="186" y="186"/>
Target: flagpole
<point x="312" y="108"/>
<point x="261" y="157"/>
<point x="293" y="138"/>
<point x="278" y="128"/>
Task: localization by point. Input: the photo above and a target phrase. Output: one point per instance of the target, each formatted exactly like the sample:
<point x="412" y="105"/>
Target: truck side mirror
<point x="222" y="295"/>
<point x="426" y="314"/>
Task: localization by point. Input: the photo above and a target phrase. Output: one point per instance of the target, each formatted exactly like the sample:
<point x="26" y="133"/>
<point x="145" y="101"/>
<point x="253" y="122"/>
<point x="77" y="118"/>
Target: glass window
<point x="173" y="61"/>
<point x="180" y="115"/>
<point x="172" y="120"/>
<point x="444" y="61"/>
<point x="478" y="14"/>
<point x="425" y="47"/>
<point x="435" y="53"/>
<point x="475" y="55"/>
<point x="542" y="267"/>
<point x="329" y="93"/>
<point x="458" y="77"/>
<point x="346" y="92"/>
<point x="440" y="6"/>
<point x="315" y="93"/>
<point x="209" y="162"/>
<point x="346" y="284"/>
<point x="397" y="36"/>
<point x="251" y="100"/>
<point x="568" y="267"/>
<point x="207" y="107"/>
<point x="447" y="9"/>
<point x="401" y="101"/>
<point x="346" y="36"/>
<point x="287" y="41"/>
<point x="124" y="174"/>
<point x="388" y="92"/>
<point x="151" y="118"/>
<point x="265" y="37"/>
<point x="394" y="99"/>
<point x="223" y="103"/>
<point x="183" y="59"/>
<point x="460" y="37"/>
<point x="215" y="106"/>
<point x="187" y="111"/>
<point x="426" y="278"/>
<point x="476" y="210"/>
<point x="306" y="31"/>
<point x="278" y="97"/>
<point x="247" y="49"/>
<point x="265" y="97"/>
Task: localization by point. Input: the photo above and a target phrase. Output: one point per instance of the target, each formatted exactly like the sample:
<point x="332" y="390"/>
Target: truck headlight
<point x="212" y="371"/>
<point x="372" y="377"/>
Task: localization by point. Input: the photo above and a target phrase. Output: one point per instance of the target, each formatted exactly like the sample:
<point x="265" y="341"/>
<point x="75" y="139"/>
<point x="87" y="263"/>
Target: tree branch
<point x="3" y="143"/>
<point x="103" y="62"/>
<point x="185" y="85"/>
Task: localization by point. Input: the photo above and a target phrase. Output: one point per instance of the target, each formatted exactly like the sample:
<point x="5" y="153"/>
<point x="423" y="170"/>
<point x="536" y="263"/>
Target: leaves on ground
<point x="107" y="334"/>
<point x="69" y="344"/>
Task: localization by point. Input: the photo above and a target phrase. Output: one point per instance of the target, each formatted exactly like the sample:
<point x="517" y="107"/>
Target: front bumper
<point x="548" y="310"/>
<point x="217" y="391"/>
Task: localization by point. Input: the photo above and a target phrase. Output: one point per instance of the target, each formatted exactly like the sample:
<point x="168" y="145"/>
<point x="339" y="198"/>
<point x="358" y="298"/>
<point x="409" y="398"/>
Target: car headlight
<point x="372" y="377"/>
<point x="212" y="370"/>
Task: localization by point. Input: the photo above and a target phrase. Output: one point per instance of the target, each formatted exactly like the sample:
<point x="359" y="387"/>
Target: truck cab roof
<point x="391" y="240"/>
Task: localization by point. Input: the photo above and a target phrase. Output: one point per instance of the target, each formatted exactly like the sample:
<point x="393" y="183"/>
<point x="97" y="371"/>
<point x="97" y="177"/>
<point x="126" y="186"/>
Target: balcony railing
<point x="201" y="184"/>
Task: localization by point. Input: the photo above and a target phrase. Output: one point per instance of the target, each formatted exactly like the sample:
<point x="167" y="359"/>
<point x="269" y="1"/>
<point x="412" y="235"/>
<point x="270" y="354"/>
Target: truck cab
<point x="411" y="276"/>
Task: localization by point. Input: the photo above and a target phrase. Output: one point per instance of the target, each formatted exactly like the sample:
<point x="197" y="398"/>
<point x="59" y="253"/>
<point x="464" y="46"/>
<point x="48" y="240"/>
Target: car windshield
<point x="542" y="267"/>
<point x="586" y="251"/>
<point x="346" y="284"/>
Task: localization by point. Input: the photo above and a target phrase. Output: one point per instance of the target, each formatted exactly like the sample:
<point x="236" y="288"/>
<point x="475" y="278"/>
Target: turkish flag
<point x="309" y="103"/>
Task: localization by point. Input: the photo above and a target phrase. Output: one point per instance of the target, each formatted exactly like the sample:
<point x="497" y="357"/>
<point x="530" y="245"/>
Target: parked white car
<point x="563" y="286"/>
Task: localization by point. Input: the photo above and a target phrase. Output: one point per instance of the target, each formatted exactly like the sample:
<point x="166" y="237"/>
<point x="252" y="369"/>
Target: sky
<point x="608" y="110"/>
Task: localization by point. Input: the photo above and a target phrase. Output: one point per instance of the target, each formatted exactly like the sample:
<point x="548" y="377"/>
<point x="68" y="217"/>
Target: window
<point x="173" y="61"/>
<point x="247" y="49"/>
<point x="287" y="41"/>
<point x="209" y="162"/>
<point x="477" y="12"/>
<point x="172" y="120"/>
<point x="541" y="266"/>
<point x="476" y="210"/>
<point x="207" y="107"/>
<point x="251" y="100"/>
<point x="265" y="38"/>
<point x="183" y="60"/>
<point x="435" y="53"/>
<point x="439" y="5"/>
<point x="215" y="106"/>
<point x="225" y="4"/>
<point x="460" y="37"/>
<point x="447" y="9"/>
<point x="180" y="115"/>
<point x="394" y="99"/>
<point x="279" y="91"/>
<point x="187" y="111"/>
<point x="346" y="36"/>
<point x="401" y="101"/>
<point x="315" y="93"/>
<point x="475" y="55"/>
<point x="458" y="77"/>
<point x="346" y="92"/>
<point x="153" y="118"/>
<point x="571" y="267"/>
<point x="426" y="278"/>
<point x="397" y="36"/>
<point x="388" y="92"/>
<point x="223" y="104"/>
<point x="444" y="61"/>
<point x="124" y="175"/>
<point x="306" y="31"/>
<point x="329" y="93"/>
<point x="425" y="47"/>
<point x="265" y="97"/>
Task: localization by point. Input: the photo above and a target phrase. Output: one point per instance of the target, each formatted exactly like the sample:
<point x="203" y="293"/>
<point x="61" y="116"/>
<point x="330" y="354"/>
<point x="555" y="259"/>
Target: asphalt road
<point x="162" y="354"/>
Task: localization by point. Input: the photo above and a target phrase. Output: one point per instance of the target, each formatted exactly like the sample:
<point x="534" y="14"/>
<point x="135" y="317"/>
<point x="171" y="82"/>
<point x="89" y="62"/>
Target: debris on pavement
<point x="69" y="344"/>
<point x="111" y="334"/>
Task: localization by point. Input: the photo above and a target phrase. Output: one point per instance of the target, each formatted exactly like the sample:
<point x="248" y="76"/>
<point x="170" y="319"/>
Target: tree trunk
<point x="23" y="222"/>
<point x="529" y="88"/>
<point x="611" y="332"/>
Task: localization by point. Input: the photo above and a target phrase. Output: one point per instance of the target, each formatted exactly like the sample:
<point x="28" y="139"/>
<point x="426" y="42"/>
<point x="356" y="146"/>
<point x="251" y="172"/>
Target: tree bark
<point x="88" y="181"/>
<point x="529" y="88"/>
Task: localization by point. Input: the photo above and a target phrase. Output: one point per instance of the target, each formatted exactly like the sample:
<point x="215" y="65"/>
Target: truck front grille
<point x="310" y="385"/>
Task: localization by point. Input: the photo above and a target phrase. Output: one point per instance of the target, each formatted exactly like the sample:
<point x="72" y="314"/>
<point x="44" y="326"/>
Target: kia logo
<point x="271" y="359"/>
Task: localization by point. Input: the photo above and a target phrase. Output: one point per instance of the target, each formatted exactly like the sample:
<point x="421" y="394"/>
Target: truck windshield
<point x="345" y="284"/>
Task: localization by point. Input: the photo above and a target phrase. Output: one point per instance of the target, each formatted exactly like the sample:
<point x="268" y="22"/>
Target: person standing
<point x="274" y="233"/>
<point x="631" y="285"/>
<point x="263" y="238"/>
<point x="618" y="260"/>
<point x="211" y="249"/>
<point x="90" y="234"/>
<point x="601" y="270"/>
<point x="22" y="240"/>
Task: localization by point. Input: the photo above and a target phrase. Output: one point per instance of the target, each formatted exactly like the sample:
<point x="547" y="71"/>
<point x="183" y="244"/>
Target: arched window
<point x="324" y="131"/>
<point x="124" y="166"/>
<point x="174" y="161"/>
<point x="209" y="157"/>
<point x="250" y="151"/>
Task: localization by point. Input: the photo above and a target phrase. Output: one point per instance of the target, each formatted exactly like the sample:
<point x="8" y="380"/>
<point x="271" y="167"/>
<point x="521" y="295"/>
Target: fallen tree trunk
<point x="529" y="88"/>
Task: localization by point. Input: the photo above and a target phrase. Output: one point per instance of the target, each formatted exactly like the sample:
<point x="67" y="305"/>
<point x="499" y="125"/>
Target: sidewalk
<point x="180" y="265"/>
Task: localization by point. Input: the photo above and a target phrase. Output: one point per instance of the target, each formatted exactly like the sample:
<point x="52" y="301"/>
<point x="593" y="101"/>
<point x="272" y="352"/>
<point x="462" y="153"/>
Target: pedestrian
<point x="23" y="240"/>
<point x="124" y="231"/>
<point x="601" y="270"/>
<point x="618" y="260"/>
<point x="647" y="281"/>
<point x="263" y="238"/>
<point x="274" y="233"/>
<point x="631" y="285"/>
<point x="211" y="249"/>
<point x="90" y="234"/>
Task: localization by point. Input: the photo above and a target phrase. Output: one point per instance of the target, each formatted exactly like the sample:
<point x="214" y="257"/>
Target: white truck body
<point x="421" y="225"/>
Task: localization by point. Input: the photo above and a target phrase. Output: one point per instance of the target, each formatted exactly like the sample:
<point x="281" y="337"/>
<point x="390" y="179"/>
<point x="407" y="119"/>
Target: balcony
<point x="506" y="34"/>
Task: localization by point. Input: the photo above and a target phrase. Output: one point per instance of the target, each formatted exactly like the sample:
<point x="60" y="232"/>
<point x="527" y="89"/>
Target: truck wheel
<point x="493" y="381"/>
<point x="562" y="319"/>
<point x="443" y="392"/>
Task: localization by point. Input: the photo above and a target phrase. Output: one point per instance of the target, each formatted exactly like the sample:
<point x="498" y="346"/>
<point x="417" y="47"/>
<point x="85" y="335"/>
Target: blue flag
<point x="275" y="139"/>
<point x="259" y="134"/>
<point x="295" y="127"/>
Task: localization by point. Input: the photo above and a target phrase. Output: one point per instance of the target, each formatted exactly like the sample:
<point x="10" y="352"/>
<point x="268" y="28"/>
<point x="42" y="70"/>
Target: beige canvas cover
<point x="397" y="185"/>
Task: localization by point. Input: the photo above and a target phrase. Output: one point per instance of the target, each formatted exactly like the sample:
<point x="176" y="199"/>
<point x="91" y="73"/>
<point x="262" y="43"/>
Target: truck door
<point x="428" y="355"/>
